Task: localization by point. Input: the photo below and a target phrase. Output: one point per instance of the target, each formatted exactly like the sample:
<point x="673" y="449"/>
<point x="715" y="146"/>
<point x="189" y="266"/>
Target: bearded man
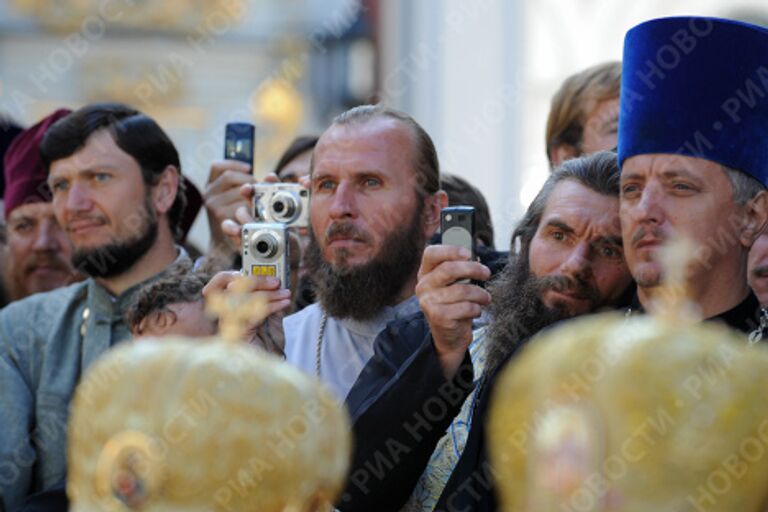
<point x="433" y="376"/>
<point x="115" y="178"/>
<point x="375" y="201"/>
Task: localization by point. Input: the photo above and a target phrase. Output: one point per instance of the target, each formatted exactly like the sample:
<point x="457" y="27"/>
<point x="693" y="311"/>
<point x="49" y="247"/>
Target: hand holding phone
<point x="457" y="227"/>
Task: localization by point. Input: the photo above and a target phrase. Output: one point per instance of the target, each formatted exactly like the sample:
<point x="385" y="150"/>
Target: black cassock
<point x="397" y="385"/>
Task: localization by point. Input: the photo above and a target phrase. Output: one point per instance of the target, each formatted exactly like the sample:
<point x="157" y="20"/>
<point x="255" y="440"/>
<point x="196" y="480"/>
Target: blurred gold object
<point x="164" y="425"/>
<point x="235" y="308"/>
<point x="178" y="15"/>
<point x="637" y="414"/>
<point x="178" y="425"/>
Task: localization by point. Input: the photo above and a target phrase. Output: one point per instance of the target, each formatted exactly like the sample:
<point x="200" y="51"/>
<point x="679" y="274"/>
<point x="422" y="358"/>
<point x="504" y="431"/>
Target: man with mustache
<point x="38" y="249"/>
<point x="693" y="159"/>
<point x="569" y="263"/>
<point x="115" y="178"/>
<point x="375" y="201"/>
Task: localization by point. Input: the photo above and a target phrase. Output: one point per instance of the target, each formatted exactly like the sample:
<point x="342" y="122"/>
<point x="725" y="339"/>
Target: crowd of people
<point x="395" y="324"/>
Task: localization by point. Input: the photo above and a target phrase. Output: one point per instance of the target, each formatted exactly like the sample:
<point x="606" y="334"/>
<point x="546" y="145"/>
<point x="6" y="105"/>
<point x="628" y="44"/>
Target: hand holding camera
<point x="276" y="298"/>
<point x="223" y="198"/>
<point x="265" y="331"/>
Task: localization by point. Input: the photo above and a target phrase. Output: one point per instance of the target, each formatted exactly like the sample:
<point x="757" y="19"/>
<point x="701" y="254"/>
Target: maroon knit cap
<point x="26" y="178"/>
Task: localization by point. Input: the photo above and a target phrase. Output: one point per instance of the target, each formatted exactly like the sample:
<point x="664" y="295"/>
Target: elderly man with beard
<point x="420" y="383"/>
<point x="375" y="201"/>
<point x="114" y="175"/>
<point x="38" y="248"/>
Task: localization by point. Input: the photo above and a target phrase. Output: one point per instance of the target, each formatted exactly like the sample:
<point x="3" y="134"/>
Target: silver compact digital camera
<point x="284" y="203"/>
<point x="265" y="251"/>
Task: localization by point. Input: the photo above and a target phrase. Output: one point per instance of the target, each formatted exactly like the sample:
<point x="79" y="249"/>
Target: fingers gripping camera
<point x="286" y="203"/>
<point x="265" y="251"/>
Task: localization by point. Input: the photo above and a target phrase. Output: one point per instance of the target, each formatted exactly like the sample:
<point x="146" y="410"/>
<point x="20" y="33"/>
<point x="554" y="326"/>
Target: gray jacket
<point x="47" y="341"/>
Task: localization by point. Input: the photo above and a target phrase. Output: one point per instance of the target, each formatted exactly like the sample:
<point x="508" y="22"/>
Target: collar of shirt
<point x="105" y="306"/>
<point x="744" y="316"/>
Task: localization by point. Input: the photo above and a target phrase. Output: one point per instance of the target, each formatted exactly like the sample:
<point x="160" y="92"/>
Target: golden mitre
<point x="608" y="413"/>
<point x="178" y="425"/>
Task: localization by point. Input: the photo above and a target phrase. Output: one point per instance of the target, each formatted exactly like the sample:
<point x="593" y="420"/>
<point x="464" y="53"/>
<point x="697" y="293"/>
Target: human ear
<point x="432" y="207"/>
<point x="561" y="153"/>
<point x="756" y="217"/>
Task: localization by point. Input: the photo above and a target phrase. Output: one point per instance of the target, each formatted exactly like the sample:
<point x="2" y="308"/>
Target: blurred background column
<point x="456" y="67"/>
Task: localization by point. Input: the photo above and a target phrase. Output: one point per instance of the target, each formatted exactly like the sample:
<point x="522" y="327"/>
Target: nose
<point x="578" y="263"/>
<point x="78" y="198"/>
<point x="648" y="208"/>
<point x="343" y="203"/>
<point x="47" y="238"/>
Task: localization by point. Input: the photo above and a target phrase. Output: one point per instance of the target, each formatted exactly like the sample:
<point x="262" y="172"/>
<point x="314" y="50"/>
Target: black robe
<point x="401" y="379"/>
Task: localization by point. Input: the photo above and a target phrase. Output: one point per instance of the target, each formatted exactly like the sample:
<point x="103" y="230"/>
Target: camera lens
<point x="265" y="245"/>
<point x="285" y="207"/>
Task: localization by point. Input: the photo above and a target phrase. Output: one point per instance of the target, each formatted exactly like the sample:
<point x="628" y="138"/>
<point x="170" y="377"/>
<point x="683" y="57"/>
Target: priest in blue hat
<point x="693" y="150"/>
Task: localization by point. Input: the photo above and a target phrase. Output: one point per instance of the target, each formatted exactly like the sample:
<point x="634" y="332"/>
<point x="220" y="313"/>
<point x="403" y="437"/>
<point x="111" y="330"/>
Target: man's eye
<point x="21" y="227"/>
<point x="372" y="182"/>
<point x="101" y="176"/>
<point x="325" y="185"/>
<point x="682" y="186"/>
<point x="558" y="235"/>
<point x="58" y="186"/>
<point x="610" y="251"/>
<point x="629" y="189"/>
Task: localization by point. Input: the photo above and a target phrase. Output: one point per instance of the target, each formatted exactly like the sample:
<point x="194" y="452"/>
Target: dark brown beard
<point x="360" y="292"/>
<point x="516" y="310"/>
<point x="119" y="256"/>
<point x="518" y="313"/>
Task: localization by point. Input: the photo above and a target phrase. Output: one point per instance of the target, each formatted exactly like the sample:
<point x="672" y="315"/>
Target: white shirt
<point x="347" y="344"/>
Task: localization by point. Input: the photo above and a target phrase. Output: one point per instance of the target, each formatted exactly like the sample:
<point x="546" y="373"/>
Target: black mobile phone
<point x="239" y="142"/>
<point x="457" y="227"/>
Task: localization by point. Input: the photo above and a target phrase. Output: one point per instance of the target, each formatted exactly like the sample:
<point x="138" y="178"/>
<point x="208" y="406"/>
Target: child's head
<point x="172" y="305"/>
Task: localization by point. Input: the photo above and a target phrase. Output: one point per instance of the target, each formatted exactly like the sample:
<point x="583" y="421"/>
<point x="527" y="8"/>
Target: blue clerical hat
<point x="697" y="87"/>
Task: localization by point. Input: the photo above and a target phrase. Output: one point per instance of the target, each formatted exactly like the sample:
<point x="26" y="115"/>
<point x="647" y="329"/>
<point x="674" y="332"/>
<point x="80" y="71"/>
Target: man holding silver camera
<point x="375" y="201"/>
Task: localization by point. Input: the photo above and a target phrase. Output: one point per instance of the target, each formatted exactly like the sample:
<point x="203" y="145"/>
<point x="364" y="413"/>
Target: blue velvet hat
<point x="697" y="87"/>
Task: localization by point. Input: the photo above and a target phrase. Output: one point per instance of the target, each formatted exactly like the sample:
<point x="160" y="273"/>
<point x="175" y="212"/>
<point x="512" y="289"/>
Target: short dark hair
<point x="426" y="165"/>
<point x="598" y="171"/>
<point x="181" y="284"/>
<point x="462" y="192"/>
<point x="135" y="133"/>
<point x="297" y="147"/>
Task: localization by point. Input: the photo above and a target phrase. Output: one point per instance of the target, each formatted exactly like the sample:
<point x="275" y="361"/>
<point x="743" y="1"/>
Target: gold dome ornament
<point x="607" y="413"/>
<point x="179" y="425"/>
